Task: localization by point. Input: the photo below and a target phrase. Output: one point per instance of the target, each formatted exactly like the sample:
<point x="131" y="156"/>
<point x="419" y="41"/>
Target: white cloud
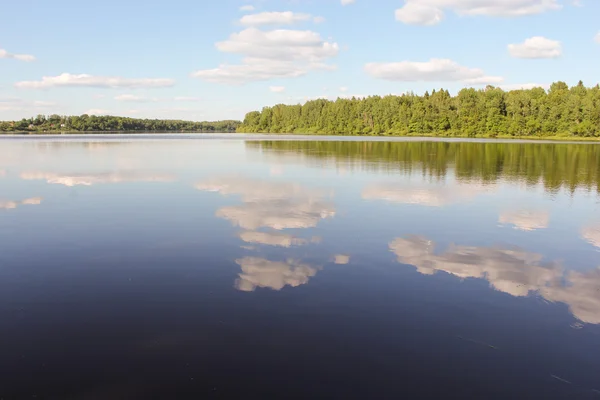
<point x="419" y="14"/>
<point x="277" y="18"/>
<point x="343" y="89"/>
<point x="93" y="178"/>
<point x="277" y="89"/>
<point x="536" y="47"/>
<point x="347" y="2"/>
<point x="20" y="57"/>
<point x="319" y="20"/>
<point x="525" y="220"/>
<point x="187" y="99"/>
<point x="247" y="8"/>
<point x="259" y="272"/>
<point x="135" y="99"/>
<point x="97" y="111"/>
<point x="513" y="271"/>
<point x="434" y="70"/>
<point x="272" y="54"/>
<point x="10" y="205"/>
<point x="84" y="80"/>
<point x="266" y="204"/>
<point x="12" y="104"/>
<point x="425" y="195"/>
<point x="431" y="12"/>
<point x="524" y="86"/>
<point x="597" y="38"/>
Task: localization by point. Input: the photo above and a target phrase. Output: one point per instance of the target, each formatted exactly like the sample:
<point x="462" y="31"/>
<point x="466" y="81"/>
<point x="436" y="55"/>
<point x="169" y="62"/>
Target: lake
<point x="226" y="266"/>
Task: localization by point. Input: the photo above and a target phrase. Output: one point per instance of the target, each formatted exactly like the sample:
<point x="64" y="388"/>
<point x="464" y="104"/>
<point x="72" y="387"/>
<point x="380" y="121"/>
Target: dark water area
<point x="187" y="268"/>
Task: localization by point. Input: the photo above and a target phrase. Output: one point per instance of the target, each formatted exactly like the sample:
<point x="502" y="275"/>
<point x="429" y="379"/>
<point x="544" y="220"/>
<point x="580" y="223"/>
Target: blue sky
<point x="202" y="60"/>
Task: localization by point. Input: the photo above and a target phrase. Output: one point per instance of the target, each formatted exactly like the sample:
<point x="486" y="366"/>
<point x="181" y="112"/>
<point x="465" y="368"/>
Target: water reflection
<point x="90" y="179"/>
<point x="555" y="165"/>
<point x="260" y="272"/>
<point x="275" y="239"/>
<point x="525" y="220"/>
<point x="267" y="204"/>
<point x="591" y="234"/>
<point x="341" y="259"/>
<point x="274" y="206"/>
<point x="9" y="204"/>
<point x="513" y="271"/>
<point x="433" y="195"/>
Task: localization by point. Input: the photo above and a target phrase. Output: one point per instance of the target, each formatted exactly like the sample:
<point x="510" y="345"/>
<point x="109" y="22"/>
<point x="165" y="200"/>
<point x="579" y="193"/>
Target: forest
<point x="93" y="123"/>
<point x="558" y="166"/>
<point x="491" y="112"/>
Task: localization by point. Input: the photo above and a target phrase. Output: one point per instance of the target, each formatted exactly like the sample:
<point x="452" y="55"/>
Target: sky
<point x="212" y="60"/>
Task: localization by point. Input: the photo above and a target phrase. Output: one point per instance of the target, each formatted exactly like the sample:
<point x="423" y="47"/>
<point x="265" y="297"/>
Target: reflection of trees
<point x="259" y="272"/>
<point x="94" y="178"/>
<point x="9" y="204"/>
<point x="557" y="166"/>
<point x="511" y="271"/>
<point x="525" y="220"/>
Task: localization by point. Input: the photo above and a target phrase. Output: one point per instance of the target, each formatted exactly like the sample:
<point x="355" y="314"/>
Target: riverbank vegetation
<point x="560" y="112"/>
<point x="92" y="123"/>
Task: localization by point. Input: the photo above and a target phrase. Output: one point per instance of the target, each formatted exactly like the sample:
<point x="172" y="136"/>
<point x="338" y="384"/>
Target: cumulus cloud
<point x="525" y="220"/>
<point x="419" y="14"/>
<point x="524" y="86"/>
<point x="280" y="53"/>
<point x="536" y="47"/>
<point x="273" y="239"/>
<point x="431" y="12"/>
<point x="277" y="18"/>
<point x="10" y="204"/>
<point x="135" y="99"/>
<point x="275" y="205"/>
<point x="347" y="2"/>
<point x="85" y="80"/>
<point x="97" y="111"/>
<point x="277" y="89"/>
<point x="187" y="99"/>
<point x="513" y="271"/>
<point x="93" y="178"/>
<point x="426" y="195"/>
<point x="591" y="234"/>
<point x="13" y="104"/>
<point x="247" y="8"/>
<point x="262" y="273"/>
<point x="597" y="38"/>
<point x="434" y="70"/>
<point x="20" y="57"/>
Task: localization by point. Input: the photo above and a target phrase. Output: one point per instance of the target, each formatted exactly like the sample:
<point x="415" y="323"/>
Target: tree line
<point x="491" y="112"/>
<point x="554" y="165"/>
<point x="106" y="123"/>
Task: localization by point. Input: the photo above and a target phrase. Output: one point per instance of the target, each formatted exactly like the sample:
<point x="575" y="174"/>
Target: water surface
<point x="181" y="267"/>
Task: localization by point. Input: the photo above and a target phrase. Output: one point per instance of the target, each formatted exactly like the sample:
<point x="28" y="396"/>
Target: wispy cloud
<point x="85" y="80"/>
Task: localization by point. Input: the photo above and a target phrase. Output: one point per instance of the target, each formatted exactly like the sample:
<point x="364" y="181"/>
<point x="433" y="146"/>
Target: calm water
<point x="188" y="268"/>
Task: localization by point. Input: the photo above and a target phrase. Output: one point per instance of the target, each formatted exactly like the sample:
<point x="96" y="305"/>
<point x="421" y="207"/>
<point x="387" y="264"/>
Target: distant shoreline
<point x="293" y="137"/>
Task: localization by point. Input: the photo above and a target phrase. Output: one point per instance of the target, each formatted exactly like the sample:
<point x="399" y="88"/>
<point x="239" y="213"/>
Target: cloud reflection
<point x="513" y="271"/>
<point x="275" y="239"/>
<point x="432" y="196"/>
<point x="275" y="205"/>
<point x="525" y="220"/>
<point x="259" y="272"/>
<point x="94" y="178"/>
<point x="9" y="205"/>
<point x="591" y="234"/>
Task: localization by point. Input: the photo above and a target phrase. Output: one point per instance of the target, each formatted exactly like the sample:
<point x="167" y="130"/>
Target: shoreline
<point x="293" y="136"/>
